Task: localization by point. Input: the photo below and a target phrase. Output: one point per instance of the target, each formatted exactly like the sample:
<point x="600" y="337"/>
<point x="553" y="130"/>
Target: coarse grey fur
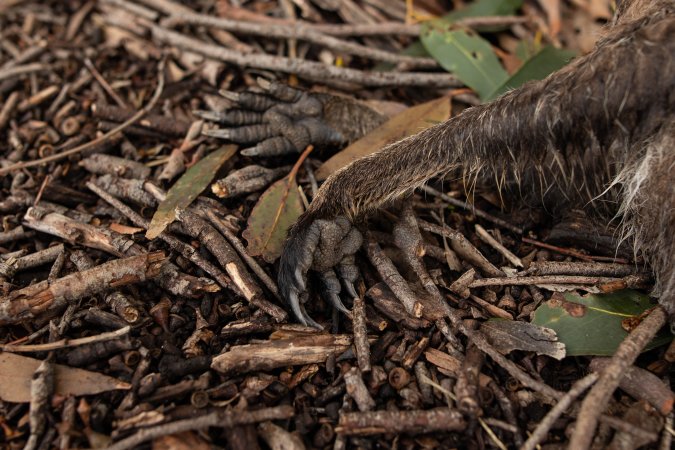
<point x="599" y="134"/>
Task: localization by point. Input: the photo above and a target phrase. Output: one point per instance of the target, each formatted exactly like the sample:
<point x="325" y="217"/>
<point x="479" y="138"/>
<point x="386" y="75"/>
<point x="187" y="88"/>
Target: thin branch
<point x="469" y="207"/>
<point x="219" y="418"/>
<point x="545" y="424"/>
<point x="402" y="29"/>
<point x="307" y="69"/>
<point x="596" y="401"/>
<point x="300" y="32"/>
<point x="65" y="343"/>
<point x="543" y="279"/>
<point x="22" y="70"/>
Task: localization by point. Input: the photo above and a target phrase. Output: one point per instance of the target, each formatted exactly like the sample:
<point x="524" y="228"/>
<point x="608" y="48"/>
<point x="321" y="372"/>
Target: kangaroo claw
<point x="318" y="245"/>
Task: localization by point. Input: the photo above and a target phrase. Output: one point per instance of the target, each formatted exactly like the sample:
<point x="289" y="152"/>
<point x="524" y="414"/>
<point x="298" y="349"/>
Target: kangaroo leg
<point x="563" y="139"/>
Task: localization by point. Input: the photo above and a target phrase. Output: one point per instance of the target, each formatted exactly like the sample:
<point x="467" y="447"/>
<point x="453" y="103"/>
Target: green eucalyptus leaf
<point x="484" y="8"/>
<point x="542" y="64"/>
<point x="592" y="324"/>
<point x="469" y="57"/>
<point x="187" y="188"/>
<point x="479" y="8"/>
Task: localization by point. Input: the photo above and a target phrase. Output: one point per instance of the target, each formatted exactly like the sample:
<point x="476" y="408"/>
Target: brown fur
<point x="599" y="133"/>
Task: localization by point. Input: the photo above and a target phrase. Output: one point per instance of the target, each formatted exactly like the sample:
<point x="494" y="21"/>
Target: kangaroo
<point x="598" y="134"/>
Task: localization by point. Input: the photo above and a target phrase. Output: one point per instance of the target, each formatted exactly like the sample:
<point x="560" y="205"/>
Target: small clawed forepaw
<point x="281" y="120"/>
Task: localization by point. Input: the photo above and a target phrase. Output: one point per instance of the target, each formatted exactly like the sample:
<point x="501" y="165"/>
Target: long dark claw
<point x="319" y="245"/>
<point x="308" y="320"/>
<point x="274" y="146"/>
<point x="242" y="135"/>
<point x="235" y="117"/>
<point x="299" y="312"/>
<point x="231" y="96"/>
<point x="332" y="293"/>
<point x="222" y="133"/>
<point x="294" y="303"/>
<point x="249" y="100"/>
<point x="296" y="260"/>
<point x="349" y="287"/>
<point x="348" y="273"/>
<point x="280" y="91"/>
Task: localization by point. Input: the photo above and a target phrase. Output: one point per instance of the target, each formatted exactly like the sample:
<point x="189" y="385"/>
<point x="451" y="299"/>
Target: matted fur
<point x="597" y="134"/>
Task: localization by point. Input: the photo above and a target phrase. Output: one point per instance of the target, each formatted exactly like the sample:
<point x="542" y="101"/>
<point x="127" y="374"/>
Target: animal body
<point x="598" y="134"/>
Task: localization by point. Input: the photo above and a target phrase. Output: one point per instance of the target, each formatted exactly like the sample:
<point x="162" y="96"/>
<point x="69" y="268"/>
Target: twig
<point x="184" y="249"/>
<point x="38" y="98"/>
<point x="77" y="19"/>
<point x="275" y="437"/>
<point x="28" y="54"/>
<point x="361" y="334"/>
<point x="506" y="253"/>
<point x="395" y="28"/>
<point x="222" y="419"/>
<point x="634" y="430"/>
<point x="306" y="69"/>
<point x="574" y="253"/>
<point x="477" y="212"/>
<point x="104" y="84"/>
<point x="80" y="233"/>
<point x="314" y="186"/>
<point x="15" y="234"/>
<point x="466" y="388"/>
<point x="99" y="140"/>
<point x="393" y="279"/>
<point x="138" y="10"/>
<point x="236" y="243"/>
<point x="463" y="247"/>
<point x="544" y="279"/>
<point x="596" y="401"/>
<point x="272" y="354"/>
<point x="370" y="29"/>
<point x="300" y="32"/>
<point x="508" y="411"/>
<point x="162" y="124"/>
<point x="65" y="343"/>
<point x="189" y="253"/>
<point x="227" y="257"/>
<point x="580" y="268"/>
<point x="356" y="389"/>
<point x="9" y="267"/>
<point x="516" y="372"/>
<point x="15" y="71"/>
<point x="545" y="424"/>
<point x="667" y="434"/>
<point x="41" y="390"/>
<point x="382" y="421"/>
<point x="492" y="309"/>
<point x="49" y="297"/>
<point x="8" y="108"/>
<point x="402" y="29"/>
<point x="167" y="6"/>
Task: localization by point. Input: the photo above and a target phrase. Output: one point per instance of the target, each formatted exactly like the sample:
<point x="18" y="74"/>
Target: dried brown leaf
<point x="277" y="209"/>
<point x="409" y="122"/>
<point x="509" y="335"/>
<point x="16" y="372"/>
